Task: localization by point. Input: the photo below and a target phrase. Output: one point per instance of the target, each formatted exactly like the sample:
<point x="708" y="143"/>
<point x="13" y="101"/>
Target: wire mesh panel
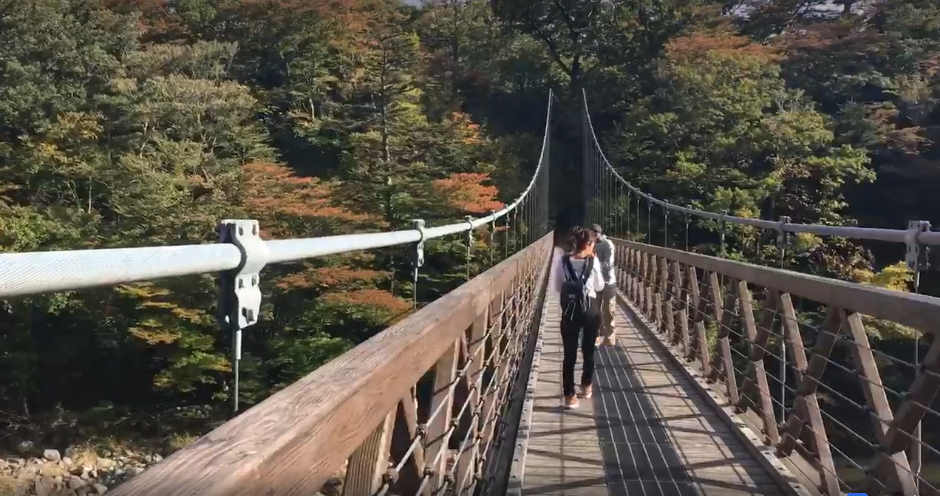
<point x="793" y="351"/>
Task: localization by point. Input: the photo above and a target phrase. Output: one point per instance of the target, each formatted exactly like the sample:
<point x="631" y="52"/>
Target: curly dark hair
<point x="579" y="238"/>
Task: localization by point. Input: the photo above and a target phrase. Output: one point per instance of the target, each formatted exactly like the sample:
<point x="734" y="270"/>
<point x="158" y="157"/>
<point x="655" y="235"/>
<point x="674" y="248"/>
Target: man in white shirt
<point x="604" y="250"/>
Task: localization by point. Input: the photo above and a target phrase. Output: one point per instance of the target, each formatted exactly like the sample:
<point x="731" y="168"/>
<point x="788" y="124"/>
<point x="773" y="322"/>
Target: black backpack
<point x="575" y="301"/>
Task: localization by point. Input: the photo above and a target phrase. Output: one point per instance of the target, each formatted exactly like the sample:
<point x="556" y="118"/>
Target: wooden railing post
<point x="806" y="407"/>
<point x="466" y="462"/>
<point x="680" y="331"/>
<point x="494" y="366"/>
<point x="369" y="463"/>
<point x="724" y="364"/>
<point x="700" y="347"/>
<point x="756" y="374"/>
<point x="911" y="411"/>
<point x="442" y="401"/>
<point x="900" y="477"/>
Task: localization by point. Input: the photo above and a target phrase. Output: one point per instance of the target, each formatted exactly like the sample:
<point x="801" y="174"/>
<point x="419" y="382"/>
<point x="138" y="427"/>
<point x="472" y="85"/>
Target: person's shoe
<point x="610" y="340"/>
<point x="571" y="402"/>
<point x="587" y="391"/>
<point x="598" y="341"/>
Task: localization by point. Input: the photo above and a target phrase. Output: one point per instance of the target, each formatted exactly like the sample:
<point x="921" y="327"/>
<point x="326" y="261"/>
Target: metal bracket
<point x="917" y="256"/>
<point x="724" y="227"/>
<point x="240" y="303"/>
<point x="469" y="220"/>
<point x="782" y="235"/>
<point x="417" y="256"/>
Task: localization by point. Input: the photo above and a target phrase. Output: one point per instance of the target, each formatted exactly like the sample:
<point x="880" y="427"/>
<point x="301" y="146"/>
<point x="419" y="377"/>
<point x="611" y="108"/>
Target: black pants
<point x="586" y="328"/>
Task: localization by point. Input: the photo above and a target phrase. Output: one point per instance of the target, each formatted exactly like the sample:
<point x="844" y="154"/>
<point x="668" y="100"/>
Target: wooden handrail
<point x="363" y="403"/>
<point x="913" y="310"/>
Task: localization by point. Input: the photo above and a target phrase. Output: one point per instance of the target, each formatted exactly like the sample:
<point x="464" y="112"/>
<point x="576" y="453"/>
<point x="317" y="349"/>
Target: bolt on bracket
<point x="917" y="256"/>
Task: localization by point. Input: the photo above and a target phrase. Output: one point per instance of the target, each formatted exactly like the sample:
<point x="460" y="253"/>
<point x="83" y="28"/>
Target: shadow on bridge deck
<point x="646" y="431"/>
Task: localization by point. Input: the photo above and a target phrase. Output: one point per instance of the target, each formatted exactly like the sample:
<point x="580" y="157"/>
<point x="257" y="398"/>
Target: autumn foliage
<point x="468" y="193"/>
<point x="281" y="198"/>
<point x="699" y="44"/>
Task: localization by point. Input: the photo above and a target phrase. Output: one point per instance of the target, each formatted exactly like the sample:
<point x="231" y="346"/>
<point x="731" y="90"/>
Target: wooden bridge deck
<point x="646" y="431"/>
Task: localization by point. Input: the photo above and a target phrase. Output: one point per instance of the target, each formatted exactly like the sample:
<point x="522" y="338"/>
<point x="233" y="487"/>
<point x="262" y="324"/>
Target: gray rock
<point x="51" y="455"/>
<point x="100" y="488"/>
<point x="66" y="461"/>
<point x="75" y="483"/>
<point x="44" y="486"/>
<point x="25" y="447"/>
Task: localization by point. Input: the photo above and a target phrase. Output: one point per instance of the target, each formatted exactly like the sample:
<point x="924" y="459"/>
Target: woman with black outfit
<point x="579" y="280"/>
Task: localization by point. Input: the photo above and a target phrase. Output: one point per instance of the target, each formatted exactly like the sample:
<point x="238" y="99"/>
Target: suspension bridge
<point x="720" y="381"/>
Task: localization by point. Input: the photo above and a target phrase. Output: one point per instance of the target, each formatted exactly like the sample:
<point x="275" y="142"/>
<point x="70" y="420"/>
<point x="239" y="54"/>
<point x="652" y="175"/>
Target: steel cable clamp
<point x="417" y="256"/>
<point x="917" y="255"/>
<point x="240" y="303"/>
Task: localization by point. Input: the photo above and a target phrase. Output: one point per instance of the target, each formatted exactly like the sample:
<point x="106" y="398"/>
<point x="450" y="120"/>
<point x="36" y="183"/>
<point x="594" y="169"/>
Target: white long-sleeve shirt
<point x="595" y="281"/>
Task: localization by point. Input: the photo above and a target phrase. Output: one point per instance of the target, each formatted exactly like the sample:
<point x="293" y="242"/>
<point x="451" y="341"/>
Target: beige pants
<point x="608" y="309"/>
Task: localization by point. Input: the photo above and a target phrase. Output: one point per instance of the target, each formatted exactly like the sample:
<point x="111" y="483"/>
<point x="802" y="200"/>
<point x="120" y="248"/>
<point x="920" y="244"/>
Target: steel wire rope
<point x="931" y="238"/>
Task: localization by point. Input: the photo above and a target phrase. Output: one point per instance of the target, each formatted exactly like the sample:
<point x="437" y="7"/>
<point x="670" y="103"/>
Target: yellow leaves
<point x="466" y="131"/>
<point x="60" y="141"/>
<point x="142" y="290"/>
<point x="803" y="242"/>
<point x="153" y="336"/>
<point x="50" y="151"/>
<point x="896" y="277"/>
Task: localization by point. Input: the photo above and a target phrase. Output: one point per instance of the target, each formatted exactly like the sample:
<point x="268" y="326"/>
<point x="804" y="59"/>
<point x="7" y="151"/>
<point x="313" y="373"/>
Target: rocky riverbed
<point x="70" y="473"/>
<point x="84" y="472"/>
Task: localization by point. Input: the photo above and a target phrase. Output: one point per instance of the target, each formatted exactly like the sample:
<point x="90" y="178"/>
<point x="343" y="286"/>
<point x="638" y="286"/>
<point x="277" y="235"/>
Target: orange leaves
<point x="698" y="45"/>
<point x="466" y="131"/>
<point x="467" y="193"/>
<point x="329" y="277"/>
<point x="274" y="194"/>
<point x="373" y="298"/>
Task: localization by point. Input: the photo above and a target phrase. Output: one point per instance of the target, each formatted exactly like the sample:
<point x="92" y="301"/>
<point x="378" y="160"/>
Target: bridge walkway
<point x="646" y="431"/>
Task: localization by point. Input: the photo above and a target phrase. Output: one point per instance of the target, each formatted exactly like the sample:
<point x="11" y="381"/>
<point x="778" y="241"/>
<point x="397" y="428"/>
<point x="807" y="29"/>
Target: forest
<point x="144" y="122"/>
